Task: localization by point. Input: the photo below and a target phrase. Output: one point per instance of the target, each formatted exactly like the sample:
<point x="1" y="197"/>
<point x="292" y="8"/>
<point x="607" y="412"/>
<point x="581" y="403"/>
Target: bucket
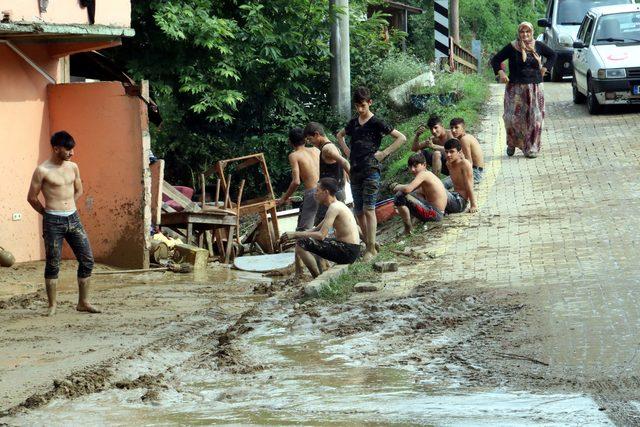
<point x="385" y="210"/>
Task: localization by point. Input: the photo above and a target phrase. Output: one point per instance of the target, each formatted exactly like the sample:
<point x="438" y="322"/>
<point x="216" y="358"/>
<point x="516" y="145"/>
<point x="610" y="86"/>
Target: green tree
<point x="231" y="77"/>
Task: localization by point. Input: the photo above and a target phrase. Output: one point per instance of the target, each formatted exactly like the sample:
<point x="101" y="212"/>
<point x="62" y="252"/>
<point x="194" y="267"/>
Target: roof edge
<point x="41" y="28"/>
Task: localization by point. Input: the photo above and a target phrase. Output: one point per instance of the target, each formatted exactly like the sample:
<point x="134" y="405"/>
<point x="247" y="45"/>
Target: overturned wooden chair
<point x="198" y="224"/>
<point x="266" y="231"/>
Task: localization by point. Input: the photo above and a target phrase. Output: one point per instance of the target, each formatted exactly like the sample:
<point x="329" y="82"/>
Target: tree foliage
<point x="493" y="22"/>
<point x="231" y="77"/>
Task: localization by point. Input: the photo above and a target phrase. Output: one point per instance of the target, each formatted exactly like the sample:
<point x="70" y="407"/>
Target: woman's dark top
<point x="331" y="170"/>
<point x="524" y="72"/>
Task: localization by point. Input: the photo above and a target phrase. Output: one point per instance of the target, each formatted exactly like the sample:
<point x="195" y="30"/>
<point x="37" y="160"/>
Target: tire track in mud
<point x="202" y="330"/>
<point x="616" y="397"/>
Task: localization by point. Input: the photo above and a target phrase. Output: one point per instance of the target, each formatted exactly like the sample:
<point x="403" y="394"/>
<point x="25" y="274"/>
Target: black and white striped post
<point x="441" y="28"/>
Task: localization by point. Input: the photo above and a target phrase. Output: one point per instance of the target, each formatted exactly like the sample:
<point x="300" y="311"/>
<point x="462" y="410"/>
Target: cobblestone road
<point x="564" y="230"/>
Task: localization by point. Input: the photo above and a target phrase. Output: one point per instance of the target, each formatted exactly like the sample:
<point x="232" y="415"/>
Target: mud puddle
<point x="400" y="361"/>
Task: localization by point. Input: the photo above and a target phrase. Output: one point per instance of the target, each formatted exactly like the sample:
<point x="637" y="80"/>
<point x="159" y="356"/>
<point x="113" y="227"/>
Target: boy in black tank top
<point x="332" y="164"/>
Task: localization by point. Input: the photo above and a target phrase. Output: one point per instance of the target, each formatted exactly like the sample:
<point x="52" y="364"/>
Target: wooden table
<point x="196" y="222"/>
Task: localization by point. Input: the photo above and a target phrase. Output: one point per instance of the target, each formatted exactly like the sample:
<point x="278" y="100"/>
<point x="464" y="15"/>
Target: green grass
<point x="341" y="287"/>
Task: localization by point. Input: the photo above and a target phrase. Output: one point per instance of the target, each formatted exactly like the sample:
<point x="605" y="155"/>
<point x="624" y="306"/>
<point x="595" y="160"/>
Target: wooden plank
<point x="464" y="63"/>
<point x="247" y="163"/>
<point x="237" y="159"/>
<point x="209" y="240"/>
<point x="218" y="235"/>
<point x="157" y="177"/>
<point x="276" y="227"/>
<point x="265" y="232"/>
<point x="238" y="206"/>
<point x="265" y="170"/>
<point x="189" y="233"/>
<point x="226" y="195"/>
<point x="219" y="211"/>
<point x="184" y="218"/>
<point x="202" y="190"/>
<point x="229" y="248"/>
<point x="257" y="200"/>
<point x="179" y="198"/>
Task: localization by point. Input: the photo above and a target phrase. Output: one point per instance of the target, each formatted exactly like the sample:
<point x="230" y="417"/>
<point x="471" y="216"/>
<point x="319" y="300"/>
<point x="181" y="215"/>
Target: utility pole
<point x="455" y="21"/>
<point x="340" y="58"/>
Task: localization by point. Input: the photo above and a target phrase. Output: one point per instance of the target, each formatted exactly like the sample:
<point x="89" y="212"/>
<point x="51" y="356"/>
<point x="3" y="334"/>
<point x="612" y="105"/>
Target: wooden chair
<point x="264" y="206"/>
<point x="193" y="222"/>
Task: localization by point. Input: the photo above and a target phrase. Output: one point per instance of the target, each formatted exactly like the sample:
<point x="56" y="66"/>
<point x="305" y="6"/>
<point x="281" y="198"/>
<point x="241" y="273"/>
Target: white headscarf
<point x="527" y="46"/>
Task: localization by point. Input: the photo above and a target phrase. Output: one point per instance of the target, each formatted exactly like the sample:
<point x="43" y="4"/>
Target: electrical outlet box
<point x="17" y="216"/>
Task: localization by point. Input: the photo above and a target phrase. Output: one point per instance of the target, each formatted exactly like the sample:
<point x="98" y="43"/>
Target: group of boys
<point x="454" y="153"/>
<point x="324" y="172"/>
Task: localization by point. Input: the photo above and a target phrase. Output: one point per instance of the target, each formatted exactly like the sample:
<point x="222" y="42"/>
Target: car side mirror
<point x="543" y="22"/>
<point x="578" y="44"/>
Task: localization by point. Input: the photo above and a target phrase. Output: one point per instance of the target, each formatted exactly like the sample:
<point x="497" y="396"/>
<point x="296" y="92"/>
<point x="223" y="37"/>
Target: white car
<point x="606" y="57"/>
<point x="561" y="24"/>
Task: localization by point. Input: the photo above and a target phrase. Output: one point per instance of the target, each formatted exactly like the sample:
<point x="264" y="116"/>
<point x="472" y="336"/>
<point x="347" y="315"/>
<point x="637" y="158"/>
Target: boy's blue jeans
<point x="55" y="229"/>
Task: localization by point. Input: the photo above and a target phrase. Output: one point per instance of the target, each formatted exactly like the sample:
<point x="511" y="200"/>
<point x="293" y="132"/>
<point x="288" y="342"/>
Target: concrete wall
<point x="24" y="138"/>
<point x="111" y="136"/>
<point x="115" y="13"/>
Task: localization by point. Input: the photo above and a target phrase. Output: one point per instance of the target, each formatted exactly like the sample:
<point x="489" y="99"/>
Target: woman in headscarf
<point x="523" y="95"/>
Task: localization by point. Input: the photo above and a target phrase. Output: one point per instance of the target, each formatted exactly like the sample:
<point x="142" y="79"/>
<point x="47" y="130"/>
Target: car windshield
<point x="618" y="28"/>
<point x="572" y="12"/>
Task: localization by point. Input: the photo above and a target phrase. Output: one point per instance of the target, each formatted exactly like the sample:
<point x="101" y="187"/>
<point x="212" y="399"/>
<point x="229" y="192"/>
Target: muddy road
<point x="230" y="348"/>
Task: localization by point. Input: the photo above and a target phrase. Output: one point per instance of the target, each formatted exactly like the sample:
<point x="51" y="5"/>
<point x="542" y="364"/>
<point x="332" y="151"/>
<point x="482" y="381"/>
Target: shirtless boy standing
<point x="471" y="149"/>
<point x="332" y="164"/>
<point x="425" y="197"/>
<point x="433" y="147"/>
<point x="462" y="178"/>
<point x="305" y="164"/>
<point x="59" y="181"/>
<point x="313" y="246"/>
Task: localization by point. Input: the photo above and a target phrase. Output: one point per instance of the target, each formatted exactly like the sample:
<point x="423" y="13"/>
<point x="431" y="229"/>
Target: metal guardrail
<point x="460" y="59"/>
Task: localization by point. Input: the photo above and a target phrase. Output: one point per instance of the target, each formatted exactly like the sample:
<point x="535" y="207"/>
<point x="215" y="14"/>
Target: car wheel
<point x="593" y="105"/>
<point x="556" y="75"/>
<point x="578" y="97"/>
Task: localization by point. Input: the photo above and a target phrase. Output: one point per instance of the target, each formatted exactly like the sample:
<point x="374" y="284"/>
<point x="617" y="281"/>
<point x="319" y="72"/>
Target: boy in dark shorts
<point x="470" y="148"/>
<point x="366" y="132"/>
<point x="433" y="147"/>
<point x="462" y="178"/>
<point x="313" y="246"/>
<point x="424" y="198"/>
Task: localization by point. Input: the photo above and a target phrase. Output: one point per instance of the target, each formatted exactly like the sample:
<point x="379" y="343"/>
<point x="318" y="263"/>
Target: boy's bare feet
<point x="407" y="229"/>
<point x="369" y="255"/>
<point x="87" y="308"/>
<point x="51" y="311"/>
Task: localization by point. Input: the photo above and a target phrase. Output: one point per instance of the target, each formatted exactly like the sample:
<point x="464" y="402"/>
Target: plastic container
<point x="385" y="210"/>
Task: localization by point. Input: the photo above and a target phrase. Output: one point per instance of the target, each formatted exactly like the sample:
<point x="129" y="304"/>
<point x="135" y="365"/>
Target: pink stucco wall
<point x="109" y="129"/>
<point x="24" y="138"/>
<point x="116" y="13"/>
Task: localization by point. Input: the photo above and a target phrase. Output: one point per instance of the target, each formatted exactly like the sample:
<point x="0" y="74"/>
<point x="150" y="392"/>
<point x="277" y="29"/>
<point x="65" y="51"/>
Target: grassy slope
<point x="475" y="91"/>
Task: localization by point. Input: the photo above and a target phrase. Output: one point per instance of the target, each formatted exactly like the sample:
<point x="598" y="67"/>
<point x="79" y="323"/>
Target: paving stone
<point x="385" y="266"/>
<point x="367" y="287"/>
